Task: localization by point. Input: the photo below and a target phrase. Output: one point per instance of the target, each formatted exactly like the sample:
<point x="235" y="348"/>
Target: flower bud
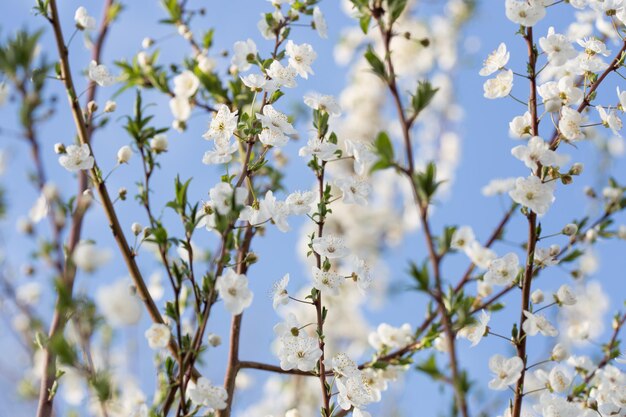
<point x="86" y="199"/>
<point x="59" y="148"/>
<point x="179" y="125"/>
<point x="214" y="340"/>
<point x="147" y="42"/>
<point x="110" y="106"/>
<point x="537" y="297"/>
<point x="136" y="228"/>
<point x="589" y="192"/>
<point x="591" y="235"/>
<point x="59" y="218"/>
<point x="621" y="231"/>
<point x="124" y="154"/>
<point x="24" y="226"/>
<point x="50" y="191"/>
<point x="570" y="229"/>
<point x="554" y="250"/>
<point x="121" y="193"/>
<point x="559" y="353"/>
<point x="576" y="169"/>
<point x="92" y="107"/>
<point x="28" y="270"/>
<point x="159" y="143"/>
<point x="143" y="59"/>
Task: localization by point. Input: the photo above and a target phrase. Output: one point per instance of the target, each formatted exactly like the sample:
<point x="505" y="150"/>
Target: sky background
<point x="485" y="155"/>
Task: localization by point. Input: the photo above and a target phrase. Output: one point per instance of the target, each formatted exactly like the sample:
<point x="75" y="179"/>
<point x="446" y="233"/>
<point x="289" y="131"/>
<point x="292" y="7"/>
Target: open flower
<point x="536" y="323"/>
<point x="100" y="75"/>
<point x="233" y="288"/>
<point x="208" y="395"/>
<point x="495" y="61"/>
<point x="77" y="158"/>
<point x="330" y="246"/>
<point x="280" y="296"/>
<point x="475" y="332"/>
<point x="506" y="371"/>
<point x="158" y="336"/>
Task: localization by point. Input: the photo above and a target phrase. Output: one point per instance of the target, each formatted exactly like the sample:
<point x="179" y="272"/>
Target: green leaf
<point x="426" y="182"/>
<point x="429" y="367"/>
<point x="364" y="22"/>
<point x="396" y="7"/>
<point x="420" y="275"/>
<point x="383" y="146"/>
<point x="378" y="67"/>
<point x="423" y="96"/>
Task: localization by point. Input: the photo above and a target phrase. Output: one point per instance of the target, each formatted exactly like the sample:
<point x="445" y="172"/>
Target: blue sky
<point x="485" y="155"/>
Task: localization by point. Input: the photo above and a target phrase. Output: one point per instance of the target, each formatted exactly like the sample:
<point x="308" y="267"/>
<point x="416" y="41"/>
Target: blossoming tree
<point x="359" y="174"/>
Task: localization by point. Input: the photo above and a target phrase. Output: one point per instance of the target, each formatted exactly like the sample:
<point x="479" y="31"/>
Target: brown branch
<point x="521" y="340"/>
<point x="58" y="320"/>
<point x="422" y="205"/>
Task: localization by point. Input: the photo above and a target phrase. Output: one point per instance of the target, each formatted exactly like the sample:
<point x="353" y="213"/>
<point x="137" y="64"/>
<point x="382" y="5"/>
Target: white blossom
<point x="462" y="237"/>
<point x="276" y="127"/>
<point x="300" y="58"/>
<point x="558" y="47"/>
<point x="322" y="102"/>
<point x="158" y="336"/>
<point x="83" y="20"/>
<point x="299" y="202"/>
<point x="521" y="126"/>
<point x="536" y="152"/>
<point x="223" y="197"/>
<point x="77" y="158"/>
<point x="324" y="150"/>
<point x="537" y="323"/>
<point x="500" y="86"/>
<point x="389" y="337"/>
<point x="320" y="23"/>
<point x="180" y="108"/>
<point x="475" y="332"/>
<point x="101" y="75"/>
<point x="243" y="50"/>
<point x="533" y="193"/>
<point x="565" y="295"/>
<point x="205" y="394"/>
<point x="327" y="282"/>
<point x="561" y="93"/>
<point x="233" y="289"/>
<point x="525" y="12"/>
<point x="119" y="305"/>
<point x="223" y="124"/>
<point x="186" y="84"/>
<point x="610" y="120"/>
<point x="282" y="76"/>
<point x="495" y="61"/>
<point x="332" y="247"/>
<point x="502" y="271"/>
<point x="506" y="371"/>
<point x="300" y="352"/>
<point x="88" y="257"/>
<point x="280" y="296"/>
<point x="364" y="157"/>
<point x="354" y="190"/>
